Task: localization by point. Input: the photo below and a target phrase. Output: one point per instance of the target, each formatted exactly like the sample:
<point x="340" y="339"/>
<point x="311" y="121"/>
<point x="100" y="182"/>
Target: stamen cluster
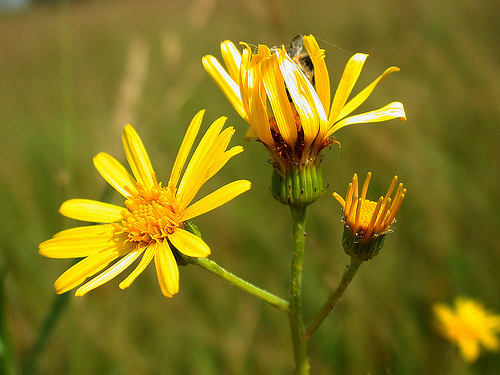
<point x="151" y="214"/>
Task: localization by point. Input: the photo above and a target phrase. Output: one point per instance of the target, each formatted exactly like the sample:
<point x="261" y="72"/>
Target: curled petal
<point x="229" y="87"/>
<point x="339" y="199"/>
<point x="321" y="77"/>
<point x="347" y="82"/>
<point x="307" y="103"/>
<point x="256" y="105"/>
<point x="232" y="59"/>
<point x="390" y="111"/>
<point x="363" y="95"/>
<point x="276" y="94"/>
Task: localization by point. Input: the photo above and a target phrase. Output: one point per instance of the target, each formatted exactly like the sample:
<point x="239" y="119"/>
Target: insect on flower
<point x="298" y="53"/>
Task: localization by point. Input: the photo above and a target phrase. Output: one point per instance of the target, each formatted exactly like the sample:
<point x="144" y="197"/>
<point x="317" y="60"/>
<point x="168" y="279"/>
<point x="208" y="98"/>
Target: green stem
<point x="264" y="295"/>
<point x="58" y="306"/>
<point x="327" y="308"/>
<point x="296" y="323"/>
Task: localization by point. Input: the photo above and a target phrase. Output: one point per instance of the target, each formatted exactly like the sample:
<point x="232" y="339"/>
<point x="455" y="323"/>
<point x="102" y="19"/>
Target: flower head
<point x="153" y="222"/>
<point x="469" y="326"/>
<point x="287" y="101"/>
<point x="367" y="222"/>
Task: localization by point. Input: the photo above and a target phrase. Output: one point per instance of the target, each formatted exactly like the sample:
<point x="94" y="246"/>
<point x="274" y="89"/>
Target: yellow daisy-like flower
<point x="469" y="326"/>
<point x="367" y="222"/>
<point x="152" y="224"/>
<point x="293" y="118"/>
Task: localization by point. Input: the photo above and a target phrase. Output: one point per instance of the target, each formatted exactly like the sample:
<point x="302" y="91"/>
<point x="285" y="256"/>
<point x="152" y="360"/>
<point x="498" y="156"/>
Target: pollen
<point x="152" y="214"/>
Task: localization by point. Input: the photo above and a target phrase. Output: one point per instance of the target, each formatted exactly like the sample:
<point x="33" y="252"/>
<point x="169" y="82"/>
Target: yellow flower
<point x="469" y="326"/>
<point x="367" y="222"/>
<point x="152" y="224"/>
<point x="300" y="119"/>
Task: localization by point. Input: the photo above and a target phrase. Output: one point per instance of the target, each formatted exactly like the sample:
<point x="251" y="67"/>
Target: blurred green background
<point x="73" y="74"/>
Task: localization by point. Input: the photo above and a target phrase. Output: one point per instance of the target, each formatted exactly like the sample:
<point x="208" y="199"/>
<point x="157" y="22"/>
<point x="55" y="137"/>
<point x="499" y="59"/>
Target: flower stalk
<point x="349" y="274"/>
<point x="264" y="295"/>
<point x="296" y="323"/>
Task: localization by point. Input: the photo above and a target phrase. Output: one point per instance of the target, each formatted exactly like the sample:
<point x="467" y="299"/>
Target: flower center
<point x="365" y="216"/>
<point x="152" y="214"/>
<point x="296" y="154"/>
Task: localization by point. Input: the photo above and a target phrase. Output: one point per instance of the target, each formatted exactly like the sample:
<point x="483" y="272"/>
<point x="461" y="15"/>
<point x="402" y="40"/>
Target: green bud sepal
<point x="299" y="186"/>
<point x="355" y="247"/>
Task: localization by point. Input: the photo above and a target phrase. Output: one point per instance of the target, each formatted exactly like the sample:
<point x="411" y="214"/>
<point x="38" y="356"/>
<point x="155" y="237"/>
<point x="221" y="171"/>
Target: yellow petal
<point x="276" y="94"/>
<point x="347" y="82"/>
<point x="305" y="99"/>
<point x="443" y="313"/>
<point x="254" y="97"/>
<point x="77" y="246"/>
<point x="88" y="267"/>
<point x="146" y="259"/>
<point x="363" y="95"/>
<point x="109" y="274"/>
<point x="469" y="349"/>
<point x="321" y="77"/>
<point x="339" y="199"/>
<point x="92" y="211"/>
<point x="229" y="87"/>
<point x="390" y="111"/>
<point x="232" y="59"/>
<point x="186" y="192"/>
<point x="207" y="166"/>
<point x="137" y="156"/>
<point x="90" y="230"/>
<point x="217" y="156"/>
<point x="166" y="269"/>
<point x="216" y="199"/>
<point x="365" y="185"/>
<point x="371" y="225"/>
<point x="115" y="174"/>
<point x="396" y="205"/>
<point x="221" y="160"/>
<point x="189" y="244"/>
<point x="185" y="148"/>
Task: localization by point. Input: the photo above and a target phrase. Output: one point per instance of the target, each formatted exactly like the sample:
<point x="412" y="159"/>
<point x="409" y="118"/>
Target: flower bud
<point x="298" y="186"/>
<point x="367" y="222"/>
<point x="355" y="247"/>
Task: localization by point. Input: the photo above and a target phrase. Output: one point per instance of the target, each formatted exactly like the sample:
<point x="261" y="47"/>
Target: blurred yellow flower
<point x="300" y="120"/>
<point x="366" y="222"/>
<point x="469" y="325"/>
<point x="152" y="223"/>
